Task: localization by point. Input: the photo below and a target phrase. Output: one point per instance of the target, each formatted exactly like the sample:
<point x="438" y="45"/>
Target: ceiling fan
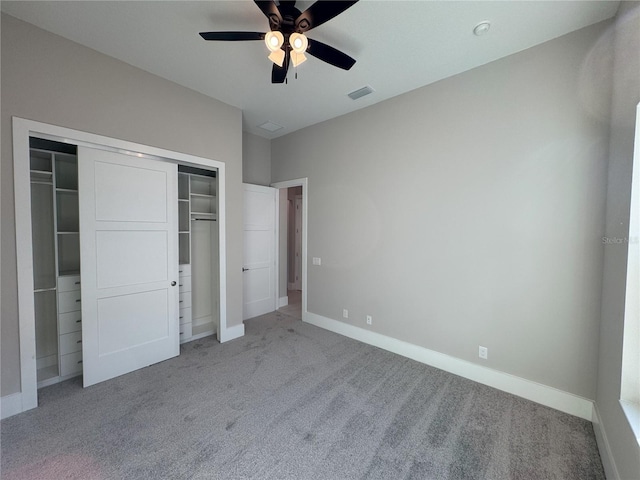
<point x="287" y="41"/>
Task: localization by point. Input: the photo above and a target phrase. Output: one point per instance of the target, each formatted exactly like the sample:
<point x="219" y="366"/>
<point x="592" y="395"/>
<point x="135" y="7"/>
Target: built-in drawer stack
<point x="69" y="325"/>
<point x="184" y="283"/>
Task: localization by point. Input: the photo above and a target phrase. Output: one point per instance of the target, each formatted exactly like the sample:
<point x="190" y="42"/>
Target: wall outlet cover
<point x="483" y="352"/>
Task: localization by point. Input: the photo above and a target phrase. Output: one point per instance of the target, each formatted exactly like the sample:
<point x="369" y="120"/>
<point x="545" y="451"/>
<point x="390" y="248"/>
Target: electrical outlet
<point x="483" y="352"/>
<point x="345" y="313"/>
<point x="369" y="319"/>
<point x="317" y="261"/>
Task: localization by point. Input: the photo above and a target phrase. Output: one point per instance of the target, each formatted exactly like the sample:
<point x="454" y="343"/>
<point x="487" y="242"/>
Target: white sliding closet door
<point x="129" y="260"/>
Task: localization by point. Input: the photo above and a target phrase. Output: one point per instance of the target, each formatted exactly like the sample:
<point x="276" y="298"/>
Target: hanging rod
<point x="205" y="219"/>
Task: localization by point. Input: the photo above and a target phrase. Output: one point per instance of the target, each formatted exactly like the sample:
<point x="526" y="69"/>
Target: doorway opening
<point x="292" y="246"/>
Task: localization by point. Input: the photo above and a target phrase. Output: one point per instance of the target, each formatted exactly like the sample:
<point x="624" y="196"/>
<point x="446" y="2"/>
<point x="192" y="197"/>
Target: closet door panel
<point x="119" y="196"/>
<point x="129" y="256"/>
<point x="143" y="316"/>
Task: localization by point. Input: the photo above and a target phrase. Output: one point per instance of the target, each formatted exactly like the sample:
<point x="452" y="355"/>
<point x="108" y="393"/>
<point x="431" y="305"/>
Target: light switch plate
<point x="317" y="261"/>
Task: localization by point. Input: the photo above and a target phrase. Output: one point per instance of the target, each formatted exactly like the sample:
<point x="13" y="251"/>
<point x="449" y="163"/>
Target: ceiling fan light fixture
<point x="286" y="41"/>
<point x="274" y="40"/>
<point x="298" y="58"/>
<point x="298" y="42"/>
<point x="277" y="57"/>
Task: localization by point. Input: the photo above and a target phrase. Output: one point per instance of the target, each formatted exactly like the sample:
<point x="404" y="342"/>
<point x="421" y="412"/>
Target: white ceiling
<point x="398" y="45"/>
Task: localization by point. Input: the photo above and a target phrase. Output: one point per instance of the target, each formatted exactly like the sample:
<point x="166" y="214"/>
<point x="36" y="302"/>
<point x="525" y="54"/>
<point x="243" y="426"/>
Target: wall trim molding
<point x="283" y="301"/>
<point x="10" y="405"/>
<point x="536" y="392"/>
<point x="606" y="455"/>
<point x="231" y="333"/>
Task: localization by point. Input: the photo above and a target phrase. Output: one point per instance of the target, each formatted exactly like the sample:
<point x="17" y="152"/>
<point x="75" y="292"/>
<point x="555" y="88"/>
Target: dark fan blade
<point x="271" y="11"/>
<point x="330" y="55"/>
<point x="278" y="74"/>
<point x="232" y="36"/>
<point x="320" y="12"/>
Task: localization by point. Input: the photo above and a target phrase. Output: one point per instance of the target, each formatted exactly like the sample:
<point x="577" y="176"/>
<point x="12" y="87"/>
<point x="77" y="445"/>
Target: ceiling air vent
<point x="270" y="126"/>
<point x="361" y="92"/>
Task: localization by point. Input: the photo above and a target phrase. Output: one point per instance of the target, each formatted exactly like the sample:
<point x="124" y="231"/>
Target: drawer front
<point x="184" y="270"/>
<point x="185" y="284"/>
<point x="69" y="283"/>
<point x="185" y="315"/>
<point x="184" y="300"/>
<point x="70" y="343"/>
<point x="185" y="332"/>
<point x="69" y="322"/>
<point x="69" y="301"/>
<point x="70" y="364"/>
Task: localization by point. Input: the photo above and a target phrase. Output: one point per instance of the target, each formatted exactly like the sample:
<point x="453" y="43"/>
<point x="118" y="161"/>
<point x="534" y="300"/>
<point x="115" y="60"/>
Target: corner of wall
<point x="604" y="447"/>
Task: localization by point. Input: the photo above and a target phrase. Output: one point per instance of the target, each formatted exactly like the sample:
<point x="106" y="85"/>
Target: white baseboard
<point x="10" y="405"/>
<point x="283" y="302"/>
<point x="536" y="392"/>
<point x="231" y="333"/>
<point x="610" y="469"/>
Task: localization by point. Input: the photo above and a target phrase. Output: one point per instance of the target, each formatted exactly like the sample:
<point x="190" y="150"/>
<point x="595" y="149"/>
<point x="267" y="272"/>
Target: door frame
<point x="22" y="130"/>
<point x="304" y="183"/>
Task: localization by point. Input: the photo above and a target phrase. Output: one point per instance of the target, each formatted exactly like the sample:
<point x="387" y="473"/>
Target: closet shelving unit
<point x="198" y="239"/>
<point x="56" y="264"/>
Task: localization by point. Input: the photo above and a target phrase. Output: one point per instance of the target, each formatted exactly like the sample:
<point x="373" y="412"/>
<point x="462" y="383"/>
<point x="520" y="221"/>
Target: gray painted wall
<point x="52" y="80"/>
<point x="256" y="159"/>
<point x="626" y="95"/>
<point x="470" y="212"/>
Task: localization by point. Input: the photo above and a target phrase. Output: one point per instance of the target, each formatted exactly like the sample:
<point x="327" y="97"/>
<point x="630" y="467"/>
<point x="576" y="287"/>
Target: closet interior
<point x="198" y="253"/>
<point x="56" y="260"/>
<point x="56" y="257"/>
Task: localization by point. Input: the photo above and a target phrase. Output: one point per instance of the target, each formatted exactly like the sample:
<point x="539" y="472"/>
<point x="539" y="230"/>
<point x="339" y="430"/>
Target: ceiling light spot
<point x="270" y="126"/>
<point x="481" y="28"/>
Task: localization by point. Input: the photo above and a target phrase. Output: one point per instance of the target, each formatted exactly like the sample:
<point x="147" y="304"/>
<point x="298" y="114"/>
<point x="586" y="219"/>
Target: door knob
<point x="173" y="284"/>
<point x="244" y="269"/>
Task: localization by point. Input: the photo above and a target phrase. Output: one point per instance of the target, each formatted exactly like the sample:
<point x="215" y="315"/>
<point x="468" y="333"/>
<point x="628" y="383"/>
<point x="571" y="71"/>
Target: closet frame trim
<point x="22" y="130"/>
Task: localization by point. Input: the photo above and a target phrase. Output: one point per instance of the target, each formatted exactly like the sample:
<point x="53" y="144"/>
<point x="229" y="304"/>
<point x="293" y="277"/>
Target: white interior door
<point x="129" y="258"/>
<point x="259" y="250"/>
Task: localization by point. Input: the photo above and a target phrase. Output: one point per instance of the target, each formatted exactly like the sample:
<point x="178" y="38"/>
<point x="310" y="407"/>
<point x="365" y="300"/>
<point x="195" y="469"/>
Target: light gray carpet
<point x="290" y="400"/>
